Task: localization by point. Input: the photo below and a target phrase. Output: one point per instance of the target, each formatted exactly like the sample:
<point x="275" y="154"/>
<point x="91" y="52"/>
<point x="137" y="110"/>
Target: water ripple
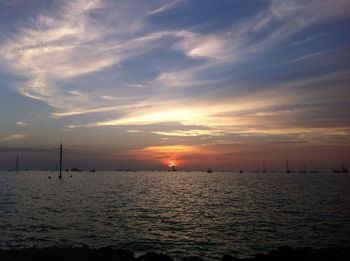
<point x="177" y="213"/>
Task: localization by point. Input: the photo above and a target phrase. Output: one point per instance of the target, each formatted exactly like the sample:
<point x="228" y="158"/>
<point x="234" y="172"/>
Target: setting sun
<point x="172" y="164"/>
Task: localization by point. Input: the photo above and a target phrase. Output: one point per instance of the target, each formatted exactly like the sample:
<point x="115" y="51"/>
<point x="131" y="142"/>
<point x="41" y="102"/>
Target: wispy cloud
<point x="14" y="136"/>
<point x="22" y="123"/>
<point x="71" y="43"/>
<point x="323" y="54"/>
<point x="308" y="39"/>
<point x="164" y="7"/>
<point x="77" y="60"/>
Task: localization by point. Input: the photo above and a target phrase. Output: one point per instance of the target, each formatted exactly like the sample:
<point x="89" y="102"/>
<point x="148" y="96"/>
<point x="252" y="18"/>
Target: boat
<point x="343" y="169"/>
<point x="76" y="170"/>
<point x="173" y="167"/>
<point x="209" y="170"/>
<point x="303" y="171"/>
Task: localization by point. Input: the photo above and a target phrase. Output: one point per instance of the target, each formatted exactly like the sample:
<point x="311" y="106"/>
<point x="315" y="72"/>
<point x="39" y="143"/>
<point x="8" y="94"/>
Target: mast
<point x="264" y="167"/>
<point x="60" y="176"/>
<point x="17" y="164"/>
<point x="287" y="167"/>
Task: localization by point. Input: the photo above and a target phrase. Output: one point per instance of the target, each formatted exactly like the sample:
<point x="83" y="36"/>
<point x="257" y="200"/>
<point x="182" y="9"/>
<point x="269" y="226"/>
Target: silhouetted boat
<point x="303" y="171"/>
<point x="343" y="169"/>
<point x="241" y="171"/>
<point x="76" y="170"/>
<point x="209" y="170"/>
<point x="92" y="170"/>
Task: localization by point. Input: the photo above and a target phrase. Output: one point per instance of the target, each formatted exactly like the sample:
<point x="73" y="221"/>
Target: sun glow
<point x="179" y="115"/>
<point x="170" y="156"/>
<point x="172" y="164"/>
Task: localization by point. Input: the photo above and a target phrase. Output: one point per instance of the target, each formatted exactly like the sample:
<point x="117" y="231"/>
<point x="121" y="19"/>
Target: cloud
<point x="26" y="150"/>
<point x="190" y="133"/>
<point x="14" y="136"/>
<point x="308" y="39"/>
<point x="338" y="53"/>
<point x="167" y="153"/>
<point x="68" y="44"/>
<point x="22" y="123"/>
<point x="165" y="7"/>
<point x="211" y="46"/>
<point x="60" y="52"/>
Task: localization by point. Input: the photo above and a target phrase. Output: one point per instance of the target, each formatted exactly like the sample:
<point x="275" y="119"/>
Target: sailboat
<point x="342" y="170"/>
<point x="209" y="170"/>
<point x="173" y="167"/>
<point x="303" y="171"/>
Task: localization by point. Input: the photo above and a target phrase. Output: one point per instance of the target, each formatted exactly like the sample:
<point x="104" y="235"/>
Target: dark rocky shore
<point x="109" y="254"/>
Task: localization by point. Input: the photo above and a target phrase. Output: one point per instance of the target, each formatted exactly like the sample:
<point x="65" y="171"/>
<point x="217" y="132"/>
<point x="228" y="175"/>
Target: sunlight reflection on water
<point x="182" y="213"/>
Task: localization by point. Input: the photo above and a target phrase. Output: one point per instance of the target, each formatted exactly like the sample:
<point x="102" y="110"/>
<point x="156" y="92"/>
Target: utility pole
<point x="17" y="164"/>
<point x="264" y="167"/>
<point x="60" y="176"/>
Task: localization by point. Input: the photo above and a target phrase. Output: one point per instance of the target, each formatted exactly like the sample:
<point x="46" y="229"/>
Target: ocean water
<point x="178" y="213"/>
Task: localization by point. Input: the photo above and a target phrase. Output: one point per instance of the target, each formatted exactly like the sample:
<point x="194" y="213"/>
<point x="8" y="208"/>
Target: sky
<point x="142" y="84"/>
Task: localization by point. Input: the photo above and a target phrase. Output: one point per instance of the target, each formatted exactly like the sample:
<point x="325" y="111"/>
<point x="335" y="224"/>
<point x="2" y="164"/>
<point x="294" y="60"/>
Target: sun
<point x="171" y="164"/>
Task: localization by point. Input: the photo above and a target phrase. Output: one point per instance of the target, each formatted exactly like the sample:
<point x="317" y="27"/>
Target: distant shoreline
<point x="108" y="253"/>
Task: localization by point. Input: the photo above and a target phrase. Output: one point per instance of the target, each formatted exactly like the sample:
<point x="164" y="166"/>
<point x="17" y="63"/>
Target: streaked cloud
<point x="242" y="75"/>
<point x="22" y="123"/>
<point x="71" y="43"/>
<point x="189" y="133"/>
<point x="309" y="39"/>
<point x="13" y="137"/>
<point x="164" y="7"/>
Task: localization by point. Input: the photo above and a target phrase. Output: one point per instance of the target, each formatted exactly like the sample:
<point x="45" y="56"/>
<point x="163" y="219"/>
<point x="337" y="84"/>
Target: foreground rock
<point x="288" y="254"/>
<point x="109" y="254"/>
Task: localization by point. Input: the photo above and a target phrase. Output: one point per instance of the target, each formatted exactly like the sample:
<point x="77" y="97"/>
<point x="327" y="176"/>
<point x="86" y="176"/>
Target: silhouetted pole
<point x="287" y="167"/>
<point x="17" y="163"/>
<point x="264" y="167"/>
<point x="60" y="176"/>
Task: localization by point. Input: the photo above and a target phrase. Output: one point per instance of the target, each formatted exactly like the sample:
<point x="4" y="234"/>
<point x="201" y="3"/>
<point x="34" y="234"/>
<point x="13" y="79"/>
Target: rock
<point x="151" y="256"/>
<point x="123" y="255"/>
<point x="109" y="254"/>
<point x="229" y="258"/>
<point x="66" y="254"/>
<point x="192" y="258"/>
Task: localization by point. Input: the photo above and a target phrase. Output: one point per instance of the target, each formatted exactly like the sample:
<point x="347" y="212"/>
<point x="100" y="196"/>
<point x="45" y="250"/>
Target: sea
<point x="176" y="213"/>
